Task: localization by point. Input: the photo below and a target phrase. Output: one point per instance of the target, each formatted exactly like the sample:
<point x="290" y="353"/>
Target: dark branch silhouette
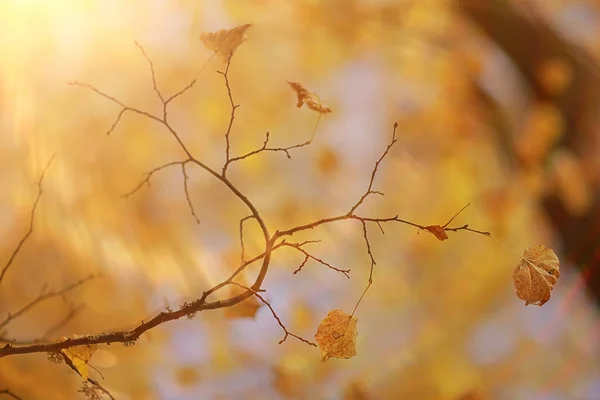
<point x="30" y="229"/>
<point x="272" y="242"/>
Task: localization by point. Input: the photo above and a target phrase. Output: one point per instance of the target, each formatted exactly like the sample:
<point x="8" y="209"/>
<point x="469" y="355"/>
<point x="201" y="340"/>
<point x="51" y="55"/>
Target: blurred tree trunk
<point x="529" y="42"/>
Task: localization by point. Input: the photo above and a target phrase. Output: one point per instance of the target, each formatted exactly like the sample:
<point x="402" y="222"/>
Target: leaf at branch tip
<point x="437" y="231"/>
<point x="311" y="99"/>
<point x="78" y="357"/>
<point x="336" y="335"/>
<point x="225" y="41"/>
<point x="536" y="275"/>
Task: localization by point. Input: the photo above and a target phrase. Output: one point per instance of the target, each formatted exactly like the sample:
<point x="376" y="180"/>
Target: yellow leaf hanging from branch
<point x="77" y="358"/>
<point x="224" y="42"/>
<point x="336" y="335"/>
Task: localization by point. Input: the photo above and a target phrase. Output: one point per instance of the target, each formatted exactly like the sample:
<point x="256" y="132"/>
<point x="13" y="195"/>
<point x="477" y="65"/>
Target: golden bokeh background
<point x="441" y="320"/>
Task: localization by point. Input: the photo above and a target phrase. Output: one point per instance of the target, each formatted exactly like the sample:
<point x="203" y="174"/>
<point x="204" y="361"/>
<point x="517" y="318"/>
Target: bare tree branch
<point x="242" y="236"/>
<point x="272" y="242"/>
<point x="73" y="311"/>
<point x="10" y="394"/>
<point x="285" y="330"/>
<point x="370" y="282"/>
<point x="232" y="115"/>
<point x="148" y="176"/>
<point x="307" y="255"/>
<point x="455" y="215"/>
<point x="31" y="220"/>
<point x="187" y="194"/>
<point x="374" y="172"/>
<point x="43" y="296"/>
<point x="151" y="71"/>
<point x="264" y="148"/>
<point x="93" y="392"/>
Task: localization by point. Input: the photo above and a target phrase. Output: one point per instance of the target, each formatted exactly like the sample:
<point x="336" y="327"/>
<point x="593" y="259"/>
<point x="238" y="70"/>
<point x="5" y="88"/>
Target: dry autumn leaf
<point x="437" y="231"/>
<point x="536" y="275"/>
<point x="336" y="335"/>
<point x="77" y="357"/>
<point x="310" y="99"/>
<point x="225" y="41"/>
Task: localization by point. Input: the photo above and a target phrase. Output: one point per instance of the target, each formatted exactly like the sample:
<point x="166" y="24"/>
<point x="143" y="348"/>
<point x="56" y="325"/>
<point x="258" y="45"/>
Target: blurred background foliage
<point x="497" y="104"/>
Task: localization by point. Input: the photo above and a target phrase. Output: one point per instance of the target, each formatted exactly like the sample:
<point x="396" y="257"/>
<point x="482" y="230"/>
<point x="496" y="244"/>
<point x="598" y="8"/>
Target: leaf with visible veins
<point x="536" y="275"/>
<point x="336" y="335"/>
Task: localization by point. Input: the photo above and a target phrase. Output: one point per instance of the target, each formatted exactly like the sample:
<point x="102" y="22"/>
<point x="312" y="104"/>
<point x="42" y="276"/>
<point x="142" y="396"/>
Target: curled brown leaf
<point x="437" y="231"/>
<point x="310" y="99"/>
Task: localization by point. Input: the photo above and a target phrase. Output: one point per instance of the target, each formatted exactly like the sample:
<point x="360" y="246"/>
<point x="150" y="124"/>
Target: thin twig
<point x="265" y="148"/>
<point x="10" y="394"/>
<point x="73" y="311"/>
<point x="43" y="296"/>
<point x="16" y="251"/>
<point x="165" y="102"/>
<point x="374" y="172"/>
<point x="148" y="176"/>
<point x="187" y="194"/>
<point x="242" y="236"/>
<point x="232" y="115"/>
<point x="151" y="71"/>
<point x="272" y="242"/>
<point x="285" y="330"/>
<point x="307" y="255"/>
<point x="101" y="388"/>
<point x="455" y="215"/>
<point x="373" y="263"/>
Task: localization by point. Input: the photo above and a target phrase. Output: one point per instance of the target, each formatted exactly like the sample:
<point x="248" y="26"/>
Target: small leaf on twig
<point x="536" y="275"/>
<point x="225" y="41"/>
<point x="311" y="99"/>
<point x="336" y="335"/>
<point x="77" y="357"/>
<point x="437" y="231"/>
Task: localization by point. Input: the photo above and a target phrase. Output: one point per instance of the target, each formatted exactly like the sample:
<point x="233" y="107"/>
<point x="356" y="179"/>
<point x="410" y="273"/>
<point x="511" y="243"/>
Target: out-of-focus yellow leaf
<point x="284" y="382"/>
<point x="225" y="41"/>
<point x="105" y="359"/>
<point x="327" y="161"/>
<point x="245" y="309"/>
<point x="555" y="75"/>
<point x="78" y="357"/>
<point x="570" y="182"/>
<point x="474" y="394"/>
<point x="187" y="376"/>
<point x="356" y="391"/>
<point x="336" y="335"/>
<point x="310" y="99"/>
<point x="302" y="317"/>
<point x="536" y="275"/>
<point x="543" y="128"/>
